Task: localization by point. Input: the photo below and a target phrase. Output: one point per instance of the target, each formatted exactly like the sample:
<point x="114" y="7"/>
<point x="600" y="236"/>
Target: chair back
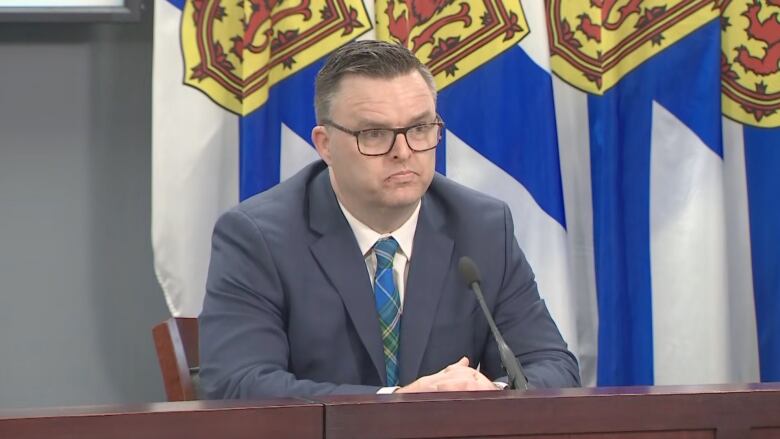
<point x="176" y="342"/>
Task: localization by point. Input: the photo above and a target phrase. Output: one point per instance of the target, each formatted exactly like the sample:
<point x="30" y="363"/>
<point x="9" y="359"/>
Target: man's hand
<point x="455" y="377"/>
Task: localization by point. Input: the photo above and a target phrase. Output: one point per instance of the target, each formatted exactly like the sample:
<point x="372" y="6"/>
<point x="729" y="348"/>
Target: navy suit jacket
<point x="289" y="308"/>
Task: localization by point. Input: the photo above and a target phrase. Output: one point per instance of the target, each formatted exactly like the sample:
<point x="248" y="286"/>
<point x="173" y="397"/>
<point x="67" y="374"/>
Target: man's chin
<point x="399" y="196"/>
<point x="402" y="199"/>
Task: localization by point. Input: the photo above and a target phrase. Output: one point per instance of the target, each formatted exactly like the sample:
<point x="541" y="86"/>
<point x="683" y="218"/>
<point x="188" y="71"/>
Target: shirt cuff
<point x="387" y="390"/>
<point x="500" y="385"/>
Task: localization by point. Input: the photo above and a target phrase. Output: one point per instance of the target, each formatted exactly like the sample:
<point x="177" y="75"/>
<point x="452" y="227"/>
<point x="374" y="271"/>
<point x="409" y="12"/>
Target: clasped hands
<point x="453" y="378"/>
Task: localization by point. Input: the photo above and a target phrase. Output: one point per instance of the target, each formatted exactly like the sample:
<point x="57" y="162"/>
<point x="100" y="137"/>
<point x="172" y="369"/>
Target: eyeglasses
<point x="379" y="141"/>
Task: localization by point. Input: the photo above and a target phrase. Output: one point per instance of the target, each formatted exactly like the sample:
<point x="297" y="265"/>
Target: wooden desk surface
<point x="283" y="418"/>
<point x="691" y="412"/>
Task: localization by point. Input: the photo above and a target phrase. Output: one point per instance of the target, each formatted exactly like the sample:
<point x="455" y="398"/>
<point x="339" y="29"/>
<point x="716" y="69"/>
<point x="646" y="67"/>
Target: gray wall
<point x="78" y="296"/>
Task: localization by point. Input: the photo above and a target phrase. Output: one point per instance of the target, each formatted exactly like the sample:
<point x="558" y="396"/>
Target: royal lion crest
<point x="235" y="50"/>
<point x="594" y="43"/>
<point x="750" y="61"/>
<point x="452" y="38"/>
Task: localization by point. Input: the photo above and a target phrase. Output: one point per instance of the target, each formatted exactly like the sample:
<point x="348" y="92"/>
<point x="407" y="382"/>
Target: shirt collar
<point x="367" y="237"/>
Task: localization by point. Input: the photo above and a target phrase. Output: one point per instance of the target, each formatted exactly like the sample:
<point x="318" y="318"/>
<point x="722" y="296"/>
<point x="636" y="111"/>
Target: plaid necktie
<point x="388" y="305"/>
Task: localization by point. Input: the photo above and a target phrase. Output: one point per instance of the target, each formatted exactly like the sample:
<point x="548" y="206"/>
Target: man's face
<point x="396" y="180"/>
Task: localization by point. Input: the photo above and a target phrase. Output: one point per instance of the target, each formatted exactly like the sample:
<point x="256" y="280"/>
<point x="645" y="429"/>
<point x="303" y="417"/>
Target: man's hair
<point x="369" y="58"/>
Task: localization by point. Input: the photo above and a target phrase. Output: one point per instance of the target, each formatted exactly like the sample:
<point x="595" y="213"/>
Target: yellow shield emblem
<point x="595" y="43"/>
<point x="750" y="62"/>
<point x="452" y="39"/>
<point x="235" y="50"/>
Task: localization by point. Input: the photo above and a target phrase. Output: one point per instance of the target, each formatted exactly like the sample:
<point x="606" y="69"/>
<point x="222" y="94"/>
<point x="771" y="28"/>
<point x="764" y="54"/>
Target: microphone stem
<point x="513" y="369"/>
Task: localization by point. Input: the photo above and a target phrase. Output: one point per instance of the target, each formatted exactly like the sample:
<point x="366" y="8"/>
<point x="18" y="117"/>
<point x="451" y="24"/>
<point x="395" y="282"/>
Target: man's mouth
<point x="402" y="175"/>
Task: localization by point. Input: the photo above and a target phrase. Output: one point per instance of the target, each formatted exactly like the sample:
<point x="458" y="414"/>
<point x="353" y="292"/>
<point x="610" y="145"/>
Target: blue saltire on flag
<point x="290" y="102"/>
<point x="685" y="79"/>
<point x="762" y="157"/>
<point x="504" y="110"/>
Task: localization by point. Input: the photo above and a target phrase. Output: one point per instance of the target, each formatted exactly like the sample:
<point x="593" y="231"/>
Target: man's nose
<point x="401" y="148"/>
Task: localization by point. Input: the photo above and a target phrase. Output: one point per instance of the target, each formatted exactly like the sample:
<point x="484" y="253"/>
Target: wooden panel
<point x="723" y="412"/>
<point x="766" y="433"/>
<point x="682" y="434"/>
<point x="192" y="420"/>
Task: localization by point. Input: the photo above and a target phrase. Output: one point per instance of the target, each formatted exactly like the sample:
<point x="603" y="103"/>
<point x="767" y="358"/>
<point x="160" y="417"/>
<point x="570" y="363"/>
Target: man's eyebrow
<point x="424" y="118"/>
<point x="364" y="123"/>
<point x="369" y="123"/>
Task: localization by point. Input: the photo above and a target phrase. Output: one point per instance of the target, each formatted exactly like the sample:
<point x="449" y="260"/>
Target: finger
<point x="485" y="383"/>
<point x="453" y="385"/>
<point x="455" y="377"/>
<point x="479" y="377"/>
<point x="424" y="384"/>
<point x="477" y="380"/>
<point x="463" y="362"/>
<point x="461" y="385"/>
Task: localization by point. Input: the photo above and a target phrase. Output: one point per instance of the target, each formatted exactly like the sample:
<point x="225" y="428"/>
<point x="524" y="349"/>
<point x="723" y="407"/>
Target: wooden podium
<point x="727" y="411"/>
<point x="723" y="411"/>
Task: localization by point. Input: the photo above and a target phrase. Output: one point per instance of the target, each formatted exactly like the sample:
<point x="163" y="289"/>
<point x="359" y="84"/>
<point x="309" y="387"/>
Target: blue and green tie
<point x="388" y="305"/>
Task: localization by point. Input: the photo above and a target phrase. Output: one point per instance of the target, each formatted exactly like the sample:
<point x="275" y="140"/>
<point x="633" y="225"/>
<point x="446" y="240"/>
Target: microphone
<point x="470" y="273"/>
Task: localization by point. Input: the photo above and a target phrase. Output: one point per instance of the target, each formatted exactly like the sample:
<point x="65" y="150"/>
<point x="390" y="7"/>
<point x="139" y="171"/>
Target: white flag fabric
<point x="194" y="172"/>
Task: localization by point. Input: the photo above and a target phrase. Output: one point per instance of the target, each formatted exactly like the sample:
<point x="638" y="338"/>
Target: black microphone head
<point x="468" y="270"/>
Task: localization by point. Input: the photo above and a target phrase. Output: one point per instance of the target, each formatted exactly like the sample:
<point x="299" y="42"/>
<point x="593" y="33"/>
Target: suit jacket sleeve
<point x="244" y="350"/>
<point x="526" y="324"/>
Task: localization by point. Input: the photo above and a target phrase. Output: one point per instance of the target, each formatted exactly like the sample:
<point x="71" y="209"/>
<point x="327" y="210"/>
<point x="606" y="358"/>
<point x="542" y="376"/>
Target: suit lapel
<point x="338" y="255"/>
<point x="430" y="264"/>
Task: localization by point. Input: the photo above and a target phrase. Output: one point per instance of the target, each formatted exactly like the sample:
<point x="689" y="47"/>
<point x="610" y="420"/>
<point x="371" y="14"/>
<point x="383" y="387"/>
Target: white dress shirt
<point x="404" y="235"/>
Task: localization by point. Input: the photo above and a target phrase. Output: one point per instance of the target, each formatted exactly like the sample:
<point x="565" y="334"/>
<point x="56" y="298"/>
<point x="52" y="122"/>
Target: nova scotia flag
<point x="636" y="143"/>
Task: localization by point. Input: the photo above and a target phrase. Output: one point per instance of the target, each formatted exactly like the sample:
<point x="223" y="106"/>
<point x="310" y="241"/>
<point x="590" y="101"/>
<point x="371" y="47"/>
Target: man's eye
<point x="375" y="134"/>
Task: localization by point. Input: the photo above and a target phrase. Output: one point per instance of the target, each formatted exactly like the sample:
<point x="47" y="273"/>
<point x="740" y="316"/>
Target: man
<point x="343" y="279"/>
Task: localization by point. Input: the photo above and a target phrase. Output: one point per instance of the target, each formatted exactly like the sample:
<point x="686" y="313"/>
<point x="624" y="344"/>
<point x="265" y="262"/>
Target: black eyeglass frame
<point x="396" y="131"/>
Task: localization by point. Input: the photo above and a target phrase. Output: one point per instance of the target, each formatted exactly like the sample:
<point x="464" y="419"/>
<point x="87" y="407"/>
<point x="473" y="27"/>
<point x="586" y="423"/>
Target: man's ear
<point x="321" y="140"/>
